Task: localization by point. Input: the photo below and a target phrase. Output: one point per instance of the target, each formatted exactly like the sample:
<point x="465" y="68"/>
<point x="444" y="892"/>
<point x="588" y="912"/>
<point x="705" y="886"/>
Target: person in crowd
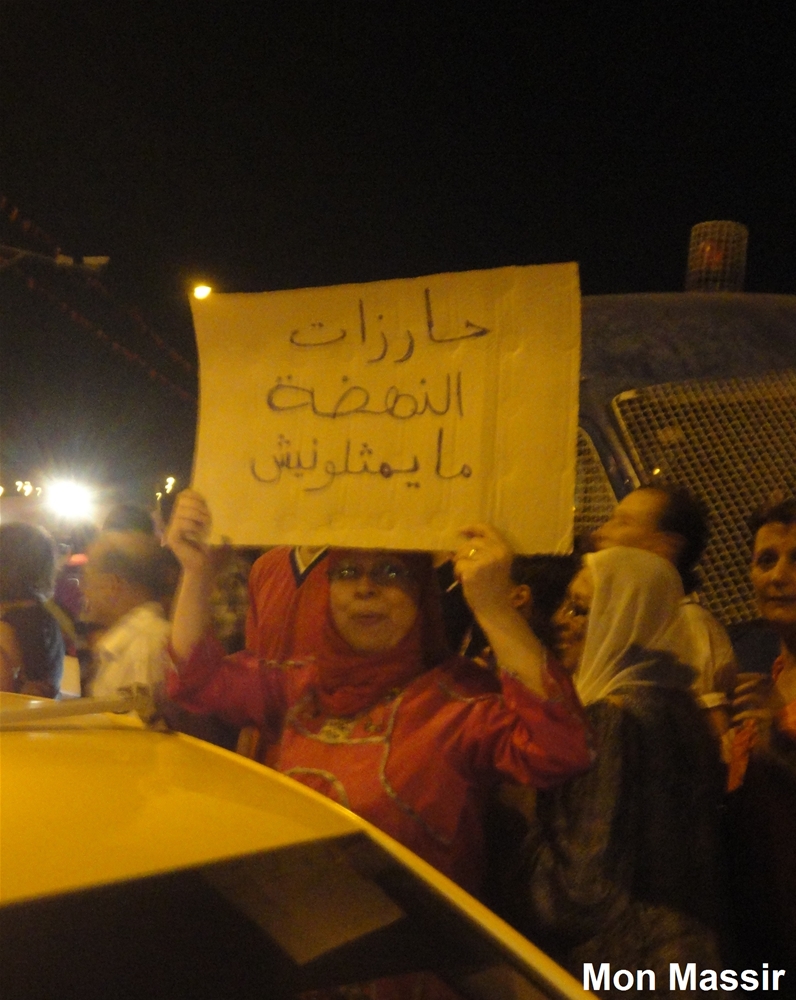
<point x="380" y="717"/>
<point x="539" y="584"/>
<point x="230" y="598"/>
<point x="31" y="643"/>
<point x="773" y="576"/>
<point x="68" y="580"/>
<point x="766" y="704"/>
<point x="621" y="865"/>
<point x="129" y="578"/>
<point x="129" y="517"/>
<point x="124" y="582"/>
<point x="761" y="813"/>
<point x="62" y="609"/>
<point x="287" y="585"/>
<point x="670" y="521"/>
<point x="288" y="591"/>
<point x="133" y="517"/>
<point x="66" y="605"/>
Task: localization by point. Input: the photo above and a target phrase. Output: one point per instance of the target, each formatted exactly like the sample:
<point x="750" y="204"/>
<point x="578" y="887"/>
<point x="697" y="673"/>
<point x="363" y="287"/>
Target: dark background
<point x="264" y="146"/>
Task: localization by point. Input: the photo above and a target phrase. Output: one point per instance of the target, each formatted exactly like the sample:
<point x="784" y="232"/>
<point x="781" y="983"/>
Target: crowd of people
<point x="568" y="737"/>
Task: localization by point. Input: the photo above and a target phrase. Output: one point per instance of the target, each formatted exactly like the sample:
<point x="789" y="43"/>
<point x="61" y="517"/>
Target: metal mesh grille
<point x="734" y="443"/>
<point x="594" y="496"/>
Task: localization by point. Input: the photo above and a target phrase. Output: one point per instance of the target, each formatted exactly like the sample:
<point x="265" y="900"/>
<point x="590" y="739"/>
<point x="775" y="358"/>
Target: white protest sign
<point x="391" y="414"/>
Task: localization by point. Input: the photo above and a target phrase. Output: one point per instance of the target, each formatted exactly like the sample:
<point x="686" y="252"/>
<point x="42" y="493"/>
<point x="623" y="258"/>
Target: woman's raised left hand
<point x="482" y="564"/>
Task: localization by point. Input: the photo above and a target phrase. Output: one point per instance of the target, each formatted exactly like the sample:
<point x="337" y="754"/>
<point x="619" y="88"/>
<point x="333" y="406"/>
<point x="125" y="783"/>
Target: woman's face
<point x="373" y="599"/>
<point x="774" y="574"/>
<point x="572" y="619"/>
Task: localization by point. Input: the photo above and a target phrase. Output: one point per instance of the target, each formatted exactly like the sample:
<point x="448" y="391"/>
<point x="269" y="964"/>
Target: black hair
<point x="27" y="562"/>
<point x="547" y="577"/>
<point x="153" y="568"/>
<point x="129" y="517"/>
<point x="82" y="536"/>
<point x="686" y="515"/>
<point x="779" y="512"/>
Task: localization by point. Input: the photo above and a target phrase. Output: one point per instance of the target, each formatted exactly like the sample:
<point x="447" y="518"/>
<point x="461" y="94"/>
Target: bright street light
<point x="70" y="500"/>
<point x="202" y="291"/>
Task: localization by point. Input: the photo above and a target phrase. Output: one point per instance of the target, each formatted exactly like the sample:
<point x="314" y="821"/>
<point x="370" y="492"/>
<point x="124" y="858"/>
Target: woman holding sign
<point x="382" y="719"/>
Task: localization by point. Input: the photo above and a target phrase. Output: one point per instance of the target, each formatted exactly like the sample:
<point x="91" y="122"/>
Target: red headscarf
<point x="350" y="682"/>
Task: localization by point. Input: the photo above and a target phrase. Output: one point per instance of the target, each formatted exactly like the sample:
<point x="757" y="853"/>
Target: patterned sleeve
<point x="240" y="689"/>
<point x="521" y="737"/>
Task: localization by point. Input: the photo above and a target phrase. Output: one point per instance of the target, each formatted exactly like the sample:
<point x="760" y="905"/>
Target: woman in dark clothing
<point x="622" y="863"/>
<point x="761" y="813"/>
<point x="31" y="643"/>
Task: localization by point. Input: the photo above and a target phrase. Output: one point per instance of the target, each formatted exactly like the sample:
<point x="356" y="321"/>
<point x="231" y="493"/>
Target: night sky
<point x="264" y="146"/>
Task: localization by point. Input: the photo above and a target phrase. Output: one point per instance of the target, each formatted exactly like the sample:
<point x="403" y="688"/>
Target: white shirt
<point x="712" y="654"/>
<point x="133" y="651"/>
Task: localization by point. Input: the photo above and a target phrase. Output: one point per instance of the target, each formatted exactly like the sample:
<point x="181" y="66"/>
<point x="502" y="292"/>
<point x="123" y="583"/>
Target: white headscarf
<point x="634" y="636"/>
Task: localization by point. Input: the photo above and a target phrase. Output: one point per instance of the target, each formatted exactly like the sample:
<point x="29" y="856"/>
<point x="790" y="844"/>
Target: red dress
<point x="420" y="762"/>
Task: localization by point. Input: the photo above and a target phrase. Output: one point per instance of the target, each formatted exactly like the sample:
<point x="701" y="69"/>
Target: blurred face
<point x="572" y="619"/>
<point x="774" y="574"/>
<point x="373" y="599"/>
<point x="634" y="523"/>
<point x="100" y="596"/>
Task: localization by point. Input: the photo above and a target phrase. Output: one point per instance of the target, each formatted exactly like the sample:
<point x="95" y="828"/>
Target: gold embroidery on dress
<point x="332" y="780"/>
<point x="337" y="730"/>
<point x="340" y="729"/>
<point x="391" y="792"/>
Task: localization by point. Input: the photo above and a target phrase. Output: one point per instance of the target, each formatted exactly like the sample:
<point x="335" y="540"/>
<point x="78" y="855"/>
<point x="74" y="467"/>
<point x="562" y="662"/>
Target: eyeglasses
<point x="570" y="610"/>
<point x="384" y="574"/>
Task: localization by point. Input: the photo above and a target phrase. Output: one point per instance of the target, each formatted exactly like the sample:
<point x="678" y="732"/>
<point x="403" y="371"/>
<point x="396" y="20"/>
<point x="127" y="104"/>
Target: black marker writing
<point x="464" y="471"/>
<point x="410" y="350"/>
<point x="384" y="469"/>
<point x="284" y="397"/>
<point x="287" y="461"/>
<point x="317" y="336"/>
<point x="383" y="355"/>
<point x="473" y="330"/>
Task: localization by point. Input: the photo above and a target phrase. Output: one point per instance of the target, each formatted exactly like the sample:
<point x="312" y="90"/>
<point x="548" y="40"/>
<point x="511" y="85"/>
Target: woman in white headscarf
<point x="622" y="865"/>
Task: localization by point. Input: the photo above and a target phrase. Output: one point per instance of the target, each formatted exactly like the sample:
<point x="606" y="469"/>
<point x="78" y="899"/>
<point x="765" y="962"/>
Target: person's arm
<point x="186" y="536"/>
<point x="10" y="658"/>
<point x="483" y="564"/>
<point x="785" y="686"/>
<point x="784" y="697"/>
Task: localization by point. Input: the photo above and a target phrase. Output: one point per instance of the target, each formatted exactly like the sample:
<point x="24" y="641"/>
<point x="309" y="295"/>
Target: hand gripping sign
<point x="389" y="414"/>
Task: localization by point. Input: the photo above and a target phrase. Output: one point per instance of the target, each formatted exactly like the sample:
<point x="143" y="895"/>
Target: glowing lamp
<point x="70" y="501"/>
<point x="202" y="291"/>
